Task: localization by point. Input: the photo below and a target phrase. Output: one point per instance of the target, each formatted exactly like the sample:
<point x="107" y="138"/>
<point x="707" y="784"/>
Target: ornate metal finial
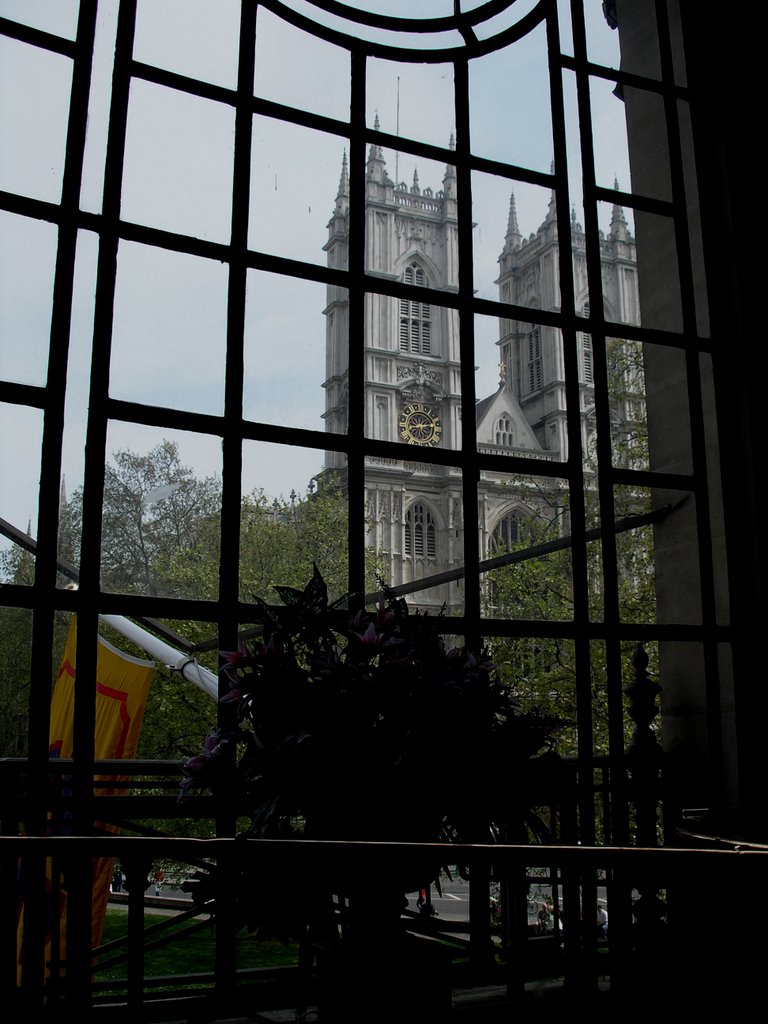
<point x="642" y="693"/>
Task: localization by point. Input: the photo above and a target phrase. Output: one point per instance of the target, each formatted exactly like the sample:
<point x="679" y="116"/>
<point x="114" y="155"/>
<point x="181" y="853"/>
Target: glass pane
<point x="519" y="516"/>
<point x="290" y="206"/>
<point x="566" y="29"/>
<point x="646" y="123"/>
<point x="92" y="186"/>
<point x="542" y="674"/>
<point x="508" y="359"/>
<point x="513" y="82"/>
<point x="170" y="320"/>
<point x="656" y="276"/>
<point x="15" y="656"/>
<point x="20" y="469"/>
<point x="413" y="388"/>
<point x="289" y="323"/>
<point x="627" y="401"/>
<point x="33" y="119"/>
<point x="76" y="402"/>
<point x="316" y="77"/>
<point x="609" y="135"/>
<point x="415" y="520"/>
<point x="602" y="39"/>
<point x="27" y="264"/>
<point x="635" y="558"/>
<point x="192" y="37"/>
<point x="293" y="515"/>
<point x="515" y="243"/>
<point x="161" y="514"/>
<point x="59" y="18"/>
<point x="415" y="101"/>
<point x="178" y="162"/>
<point x="176" y="735"/>
<point x="529" y="391"/>
<point x="413" y="216"/>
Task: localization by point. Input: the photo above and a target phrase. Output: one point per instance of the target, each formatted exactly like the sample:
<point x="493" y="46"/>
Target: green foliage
<point x="542" y="671"/>
<point x="161" y="535"/>
<point x="185" y="953"/>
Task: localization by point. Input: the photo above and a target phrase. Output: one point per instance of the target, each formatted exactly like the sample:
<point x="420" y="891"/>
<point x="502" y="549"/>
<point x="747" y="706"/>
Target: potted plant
<point x="359" y="724"/>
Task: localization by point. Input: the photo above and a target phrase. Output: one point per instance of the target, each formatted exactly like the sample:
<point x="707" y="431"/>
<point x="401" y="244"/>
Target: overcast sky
<point x="170" y="319"/>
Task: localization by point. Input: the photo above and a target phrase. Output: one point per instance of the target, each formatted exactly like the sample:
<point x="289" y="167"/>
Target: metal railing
<point x="674" y="918"/>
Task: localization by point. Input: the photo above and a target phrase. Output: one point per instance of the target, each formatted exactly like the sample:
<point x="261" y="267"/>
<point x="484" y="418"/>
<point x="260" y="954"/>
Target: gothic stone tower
<point x="532" y="354"/>
<point x="414" y="509"/>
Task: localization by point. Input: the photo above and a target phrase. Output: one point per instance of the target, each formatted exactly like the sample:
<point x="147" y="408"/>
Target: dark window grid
<point x="51" y="399"/>
<point x="42" y="39"/>
<point x="472" y="46"/>
<point x="605" y="476"/>
<point x="97" y="422"/>
<point x="470" y="161"/>
<point x="585" y="725"/>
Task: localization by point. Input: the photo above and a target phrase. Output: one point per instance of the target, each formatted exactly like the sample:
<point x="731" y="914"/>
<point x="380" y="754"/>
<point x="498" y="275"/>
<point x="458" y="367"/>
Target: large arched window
<point x="415" y="317"/>
<point x="507" y="532"/>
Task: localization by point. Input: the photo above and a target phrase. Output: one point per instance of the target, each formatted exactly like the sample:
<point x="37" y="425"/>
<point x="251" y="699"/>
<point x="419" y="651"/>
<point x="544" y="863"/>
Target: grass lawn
<point x="187" y="954"/>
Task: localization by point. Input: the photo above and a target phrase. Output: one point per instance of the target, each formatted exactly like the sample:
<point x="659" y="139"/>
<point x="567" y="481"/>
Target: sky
<point x="168" y="346"/>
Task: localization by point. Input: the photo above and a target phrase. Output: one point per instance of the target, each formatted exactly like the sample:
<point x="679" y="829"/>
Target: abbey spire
<point x="375" y="165"/>
<point x="449" y="178"/>
<point x="513" y="236"/>
<point x="619" y="229"/>
<point x="342" y="196"/>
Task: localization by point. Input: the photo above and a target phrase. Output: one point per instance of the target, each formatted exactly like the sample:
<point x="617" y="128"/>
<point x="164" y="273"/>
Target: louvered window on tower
<point x="420" y="533"/>
<point x="586" y="349"/>
<point x="534" y="359"/>
<point x="415" y="317"/>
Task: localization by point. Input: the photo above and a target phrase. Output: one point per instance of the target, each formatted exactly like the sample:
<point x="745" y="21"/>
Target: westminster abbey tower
<point x="413" y="391"/>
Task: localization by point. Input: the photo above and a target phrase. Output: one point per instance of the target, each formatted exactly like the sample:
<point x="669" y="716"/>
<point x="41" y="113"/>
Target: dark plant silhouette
<point x="362" y="725"/>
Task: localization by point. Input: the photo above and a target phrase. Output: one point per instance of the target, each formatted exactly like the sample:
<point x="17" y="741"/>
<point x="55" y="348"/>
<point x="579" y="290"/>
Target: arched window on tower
<point x="504" y="432"/>
<point x="420" y="537"/>
<point x="415" y="317"/>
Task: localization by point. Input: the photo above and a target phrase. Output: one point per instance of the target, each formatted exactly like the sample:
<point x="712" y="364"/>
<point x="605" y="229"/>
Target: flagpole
<point x="184" y="664"/>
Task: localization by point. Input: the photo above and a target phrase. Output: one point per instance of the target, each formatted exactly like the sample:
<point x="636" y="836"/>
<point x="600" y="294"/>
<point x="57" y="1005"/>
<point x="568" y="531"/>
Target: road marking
<point x="450" y="896"/>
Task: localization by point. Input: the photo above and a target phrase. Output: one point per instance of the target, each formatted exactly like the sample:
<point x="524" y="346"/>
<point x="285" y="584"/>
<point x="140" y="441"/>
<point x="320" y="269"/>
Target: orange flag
<point x="122" y="685"/>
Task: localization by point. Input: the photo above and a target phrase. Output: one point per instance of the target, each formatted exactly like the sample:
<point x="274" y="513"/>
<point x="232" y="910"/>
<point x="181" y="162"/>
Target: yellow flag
<point x="122" y="685"/>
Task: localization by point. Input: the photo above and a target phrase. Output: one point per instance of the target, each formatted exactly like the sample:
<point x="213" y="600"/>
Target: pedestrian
<point x="159" y="876"/>
<point x="602" y="922"/>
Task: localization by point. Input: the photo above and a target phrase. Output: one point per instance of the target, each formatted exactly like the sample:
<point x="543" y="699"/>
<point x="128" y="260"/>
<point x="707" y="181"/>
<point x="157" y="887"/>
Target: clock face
<point x="419" y="425"/>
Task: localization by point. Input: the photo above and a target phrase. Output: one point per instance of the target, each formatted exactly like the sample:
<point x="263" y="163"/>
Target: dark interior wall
<point x="712" y="699"/>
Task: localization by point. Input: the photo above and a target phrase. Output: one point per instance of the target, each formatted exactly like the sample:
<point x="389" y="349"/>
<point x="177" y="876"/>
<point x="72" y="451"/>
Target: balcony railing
<point x="685" y="923"/>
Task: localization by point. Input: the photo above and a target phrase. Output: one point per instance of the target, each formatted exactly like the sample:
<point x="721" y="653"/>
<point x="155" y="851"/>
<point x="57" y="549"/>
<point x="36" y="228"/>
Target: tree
<point x="161" y="536"/>
<point x="154" y="508"/>
<point x="542" y="670"/>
